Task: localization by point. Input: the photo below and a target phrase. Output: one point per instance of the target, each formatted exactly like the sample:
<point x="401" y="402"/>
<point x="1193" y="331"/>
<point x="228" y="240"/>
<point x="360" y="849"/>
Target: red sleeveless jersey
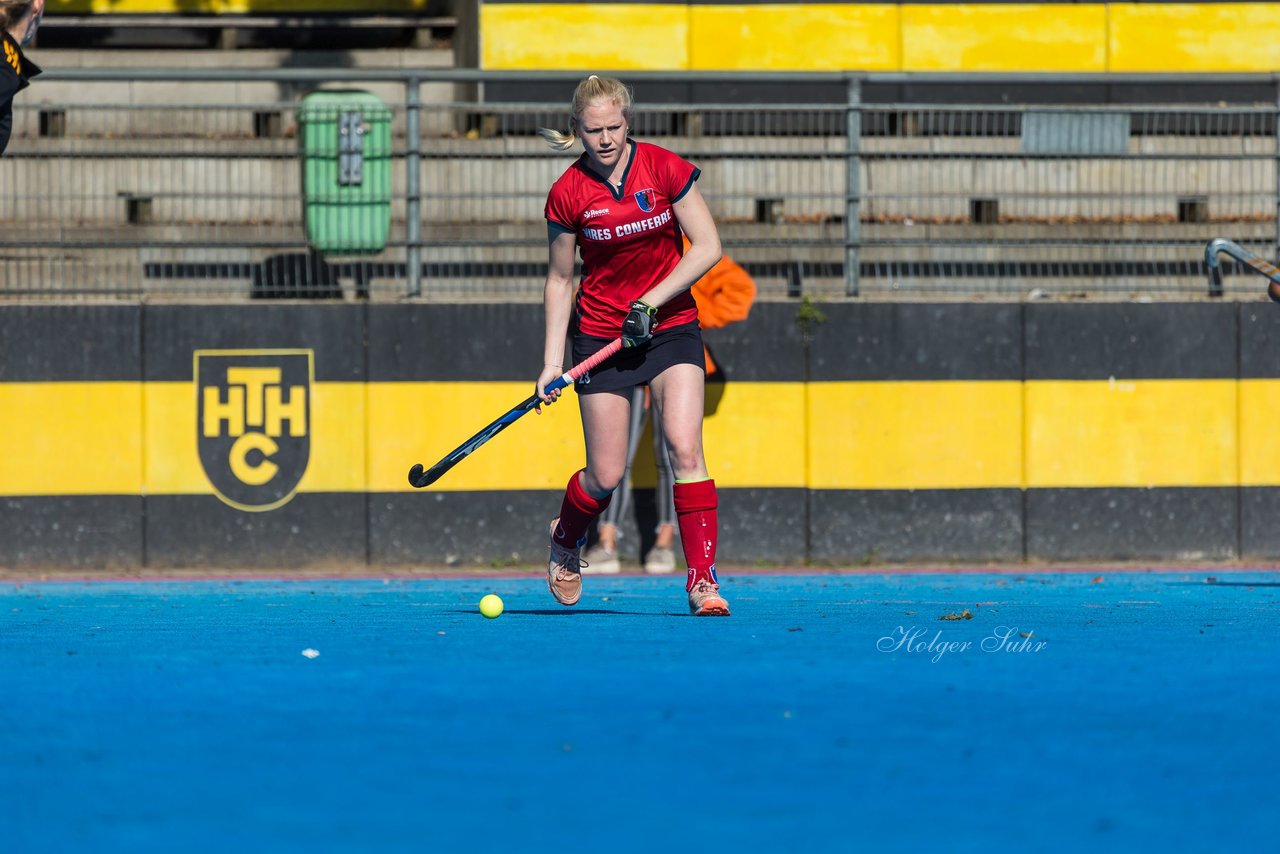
<point x="629" y="240"/>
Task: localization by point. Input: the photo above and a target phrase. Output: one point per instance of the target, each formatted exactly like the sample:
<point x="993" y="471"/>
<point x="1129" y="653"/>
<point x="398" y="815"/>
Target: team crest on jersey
<point x="645" y="199"/>
<point x="253" y="423"/>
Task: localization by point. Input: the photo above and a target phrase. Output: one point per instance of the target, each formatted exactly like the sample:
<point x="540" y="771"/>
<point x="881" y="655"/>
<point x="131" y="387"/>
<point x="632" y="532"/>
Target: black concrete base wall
<point x="72" y="532"/>
<point x="313" y="530"/>
<point x="1132" y="524"/>
<point x="459" y="528"/>
<point x="943" y="525"/>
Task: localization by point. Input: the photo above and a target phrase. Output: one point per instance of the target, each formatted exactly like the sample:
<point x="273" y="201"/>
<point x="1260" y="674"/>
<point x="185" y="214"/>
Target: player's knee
<point x="687" y="461"/>
<point x="600" y="480"/>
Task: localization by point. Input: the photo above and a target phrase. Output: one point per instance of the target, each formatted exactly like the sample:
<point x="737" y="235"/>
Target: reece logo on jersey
<point x="646" y="200"/>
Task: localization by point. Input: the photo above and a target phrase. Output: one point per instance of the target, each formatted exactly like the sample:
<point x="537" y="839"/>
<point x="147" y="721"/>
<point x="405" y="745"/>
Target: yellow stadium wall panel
<point x="422" y="422"/>
<point x="69" y="438"/>
<point x="1193" y="37"/>
<point x="926" y="37"/>
<point x="1004" y="37"/>
<point x="804" y="37"/>
<point x="1259" y="422"/>
<point x="614" y="36"/>
<point x="1131" y="433"/>
<point x="915" y="435"/>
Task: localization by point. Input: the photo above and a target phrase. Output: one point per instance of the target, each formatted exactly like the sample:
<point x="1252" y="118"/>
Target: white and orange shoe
<point x="564" y="569"/>
<point x="705" y="599"/>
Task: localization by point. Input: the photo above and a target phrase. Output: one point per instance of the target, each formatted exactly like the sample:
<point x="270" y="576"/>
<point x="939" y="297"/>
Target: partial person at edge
<point x="19" y="20"/>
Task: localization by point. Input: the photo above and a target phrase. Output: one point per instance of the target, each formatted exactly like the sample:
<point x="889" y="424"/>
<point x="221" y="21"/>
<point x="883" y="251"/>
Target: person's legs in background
<point x="662" y="556"/>
<point x="602" y="558"/>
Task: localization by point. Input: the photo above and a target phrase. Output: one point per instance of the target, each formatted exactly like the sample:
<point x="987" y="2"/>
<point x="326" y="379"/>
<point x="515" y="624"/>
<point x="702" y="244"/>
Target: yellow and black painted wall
<point x="280" y="435"/>
<point x="797" y="35"/>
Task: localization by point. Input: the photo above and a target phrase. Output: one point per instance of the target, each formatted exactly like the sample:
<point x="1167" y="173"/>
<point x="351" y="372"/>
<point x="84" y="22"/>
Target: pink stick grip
<point x="590" y="362"/>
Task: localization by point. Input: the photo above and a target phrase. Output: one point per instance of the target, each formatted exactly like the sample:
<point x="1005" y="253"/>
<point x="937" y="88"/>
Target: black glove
<point x="639" y="325"/>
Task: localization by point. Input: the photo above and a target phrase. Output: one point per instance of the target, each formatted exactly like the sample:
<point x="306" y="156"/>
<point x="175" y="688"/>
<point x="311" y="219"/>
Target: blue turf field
<point x="182" y="716"/>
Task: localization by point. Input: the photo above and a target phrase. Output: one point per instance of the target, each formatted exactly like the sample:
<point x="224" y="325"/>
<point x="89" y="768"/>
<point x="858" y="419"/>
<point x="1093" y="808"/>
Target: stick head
<point x="419" y="478"/>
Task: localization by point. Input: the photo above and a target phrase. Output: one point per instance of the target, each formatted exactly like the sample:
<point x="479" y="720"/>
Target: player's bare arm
<point x="557" y="298"/>
<point x="704" y="250"/>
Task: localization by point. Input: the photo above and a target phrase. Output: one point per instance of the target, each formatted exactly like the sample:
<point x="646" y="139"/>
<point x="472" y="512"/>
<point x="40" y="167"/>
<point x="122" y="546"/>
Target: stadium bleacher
<point x="219" y="24"/>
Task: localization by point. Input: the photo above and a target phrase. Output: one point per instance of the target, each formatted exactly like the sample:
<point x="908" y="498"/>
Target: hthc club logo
<point x="253" y="421"/>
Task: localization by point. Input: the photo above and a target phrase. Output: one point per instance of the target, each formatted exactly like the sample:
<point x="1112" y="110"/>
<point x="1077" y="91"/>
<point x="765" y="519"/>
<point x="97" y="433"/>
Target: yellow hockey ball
<point x="491" y="606"/>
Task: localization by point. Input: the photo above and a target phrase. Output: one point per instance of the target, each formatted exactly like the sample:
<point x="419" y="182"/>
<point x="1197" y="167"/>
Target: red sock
<point x="696" y="513"/>
<point x="577" y="512"/>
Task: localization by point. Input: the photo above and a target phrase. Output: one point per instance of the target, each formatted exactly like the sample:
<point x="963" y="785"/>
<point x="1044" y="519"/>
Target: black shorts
<point x="679" y="345"/>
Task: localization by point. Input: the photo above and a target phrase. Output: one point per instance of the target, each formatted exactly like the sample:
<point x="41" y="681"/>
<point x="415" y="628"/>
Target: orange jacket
<point x="724" y="295"/>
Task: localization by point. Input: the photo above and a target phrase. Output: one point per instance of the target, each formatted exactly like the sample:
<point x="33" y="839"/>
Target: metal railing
<point x="171" y="184"/>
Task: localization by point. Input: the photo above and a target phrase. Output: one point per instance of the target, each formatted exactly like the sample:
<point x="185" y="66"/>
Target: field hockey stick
<point x="420" y="478"/>
<point x="1235" y="250"/>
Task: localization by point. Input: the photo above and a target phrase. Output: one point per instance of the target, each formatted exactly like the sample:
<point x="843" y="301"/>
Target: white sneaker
<point x="564" y="571"/>
<point x="660" y="560"/>
<point x="705" y="600"/>
<point x="601" y="561"/>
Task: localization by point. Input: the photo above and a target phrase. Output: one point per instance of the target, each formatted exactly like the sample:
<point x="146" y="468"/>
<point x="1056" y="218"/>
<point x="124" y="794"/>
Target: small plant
<point x="808" y="316"/>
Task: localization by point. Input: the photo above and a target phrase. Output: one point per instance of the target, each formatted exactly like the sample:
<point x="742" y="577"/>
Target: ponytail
<point x="593" y="89"/>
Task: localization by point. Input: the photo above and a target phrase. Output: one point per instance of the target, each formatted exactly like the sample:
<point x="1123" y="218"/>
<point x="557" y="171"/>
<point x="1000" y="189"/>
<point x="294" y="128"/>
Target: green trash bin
<point x="345" y="141"/>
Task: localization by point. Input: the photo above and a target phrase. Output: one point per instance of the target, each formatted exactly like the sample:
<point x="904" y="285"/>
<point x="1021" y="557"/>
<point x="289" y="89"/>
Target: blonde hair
<point x="13" y="11"/>
<point x="589" y="91"/>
